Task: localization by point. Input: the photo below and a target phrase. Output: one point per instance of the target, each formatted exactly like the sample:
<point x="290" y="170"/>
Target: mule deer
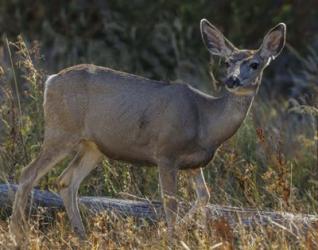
<point x="98" y="111"/>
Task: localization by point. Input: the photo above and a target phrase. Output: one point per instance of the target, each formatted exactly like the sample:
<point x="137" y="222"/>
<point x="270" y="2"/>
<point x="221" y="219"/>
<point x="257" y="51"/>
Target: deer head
<point x="244" y="67"/>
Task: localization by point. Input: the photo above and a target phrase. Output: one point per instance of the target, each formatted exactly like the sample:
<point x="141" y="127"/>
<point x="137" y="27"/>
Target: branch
<point x="153" y="210"/>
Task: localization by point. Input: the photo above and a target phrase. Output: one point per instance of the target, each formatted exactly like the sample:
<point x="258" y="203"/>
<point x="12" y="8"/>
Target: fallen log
<point x="94" y="205"/>
<point x="153" y="210"/>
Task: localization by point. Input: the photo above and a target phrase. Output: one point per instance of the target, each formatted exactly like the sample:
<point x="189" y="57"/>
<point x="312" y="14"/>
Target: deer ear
<point x="214" y="40"/>
<point x="274" y="42"/>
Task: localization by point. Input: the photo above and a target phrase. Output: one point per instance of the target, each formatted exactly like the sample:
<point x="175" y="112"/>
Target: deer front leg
<point x="202" y="192"/>
<point x="168" y="185"/>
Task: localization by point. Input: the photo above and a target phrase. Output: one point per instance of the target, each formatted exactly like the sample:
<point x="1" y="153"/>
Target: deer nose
<point x="233" y="82"/>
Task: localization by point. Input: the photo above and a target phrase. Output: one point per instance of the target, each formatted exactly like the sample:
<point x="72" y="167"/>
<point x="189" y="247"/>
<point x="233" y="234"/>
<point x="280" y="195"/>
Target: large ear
<point x="214" y="40"/>
<point x="273" y="42"/>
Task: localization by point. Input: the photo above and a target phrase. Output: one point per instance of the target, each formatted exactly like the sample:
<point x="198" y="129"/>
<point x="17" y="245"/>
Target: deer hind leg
<point x="69" y="181"/>
<point x="202" y="193"/>
<point x="49" y="156"/>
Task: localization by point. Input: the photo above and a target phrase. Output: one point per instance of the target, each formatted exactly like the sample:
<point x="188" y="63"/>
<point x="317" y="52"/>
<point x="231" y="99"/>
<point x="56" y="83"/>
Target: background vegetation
<point x="271" y="163"/>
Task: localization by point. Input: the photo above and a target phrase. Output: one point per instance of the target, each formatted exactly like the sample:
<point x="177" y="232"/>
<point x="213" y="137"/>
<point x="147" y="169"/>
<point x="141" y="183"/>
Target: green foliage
<point x="158" y="39"/>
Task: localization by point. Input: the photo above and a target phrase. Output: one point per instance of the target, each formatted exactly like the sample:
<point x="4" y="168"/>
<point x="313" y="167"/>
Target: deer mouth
<point x="242" y="90"/>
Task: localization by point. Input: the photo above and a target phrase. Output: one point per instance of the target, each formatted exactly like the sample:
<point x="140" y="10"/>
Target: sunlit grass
<point x="108" y="231"/>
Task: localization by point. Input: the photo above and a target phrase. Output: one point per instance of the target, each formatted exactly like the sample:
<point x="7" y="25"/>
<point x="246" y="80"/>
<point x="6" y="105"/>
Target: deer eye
<point x="254" y="65"/>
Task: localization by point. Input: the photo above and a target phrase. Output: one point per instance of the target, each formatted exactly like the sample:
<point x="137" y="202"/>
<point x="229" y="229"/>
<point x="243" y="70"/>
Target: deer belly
<point x="123" y="151"/>
<point x="196" y="159"/>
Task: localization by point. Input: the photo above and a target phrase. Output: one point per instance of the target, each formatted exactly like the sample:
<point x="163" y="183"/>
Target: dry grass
<point x="107" y="231"/>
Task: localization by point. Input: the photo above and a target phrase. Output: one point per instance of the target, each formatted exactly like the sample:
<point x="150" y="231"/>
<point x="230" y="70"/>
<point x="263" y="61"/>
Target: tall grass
<point x="108" y="231"/>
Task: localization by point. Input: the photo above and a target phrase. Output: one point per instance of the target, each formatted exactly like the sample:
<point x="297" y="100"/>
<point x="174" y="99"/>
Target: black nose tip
<point x="233" y="82"/>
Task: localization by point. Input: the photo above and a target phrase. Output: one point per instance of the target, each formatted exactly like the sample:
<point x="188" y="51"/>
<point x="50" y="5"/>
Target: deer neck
<point x="226" y="115"/>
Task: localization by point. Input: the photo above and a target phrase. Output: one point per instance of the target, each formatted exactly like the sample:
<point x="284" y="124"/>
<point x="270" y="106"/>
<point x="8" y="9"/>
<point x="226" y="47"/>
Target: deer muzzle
<point x="233" y="82"/>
